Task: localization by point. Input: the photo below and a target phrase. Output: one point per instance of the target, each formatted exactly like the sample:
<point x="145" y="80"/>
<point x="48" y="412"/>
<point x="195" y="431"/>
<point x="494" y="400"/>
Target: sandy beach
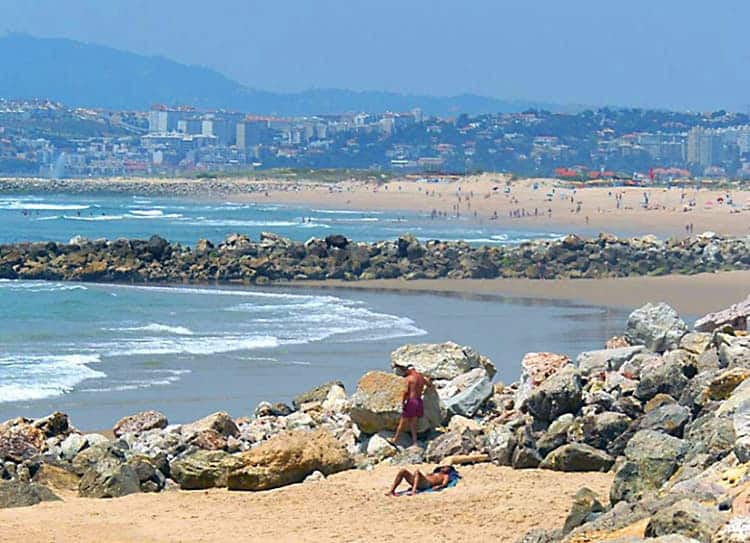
<point x="688" y="294"/>
<point x="535" y="204"/>
<point x="490" y="504"/>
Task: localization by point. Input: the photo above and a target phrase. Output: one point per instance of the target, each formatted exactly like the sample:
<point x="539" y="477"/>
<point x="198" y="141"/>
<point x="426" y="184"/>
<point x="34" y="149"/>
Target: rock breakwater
<point x="273" y="258"/>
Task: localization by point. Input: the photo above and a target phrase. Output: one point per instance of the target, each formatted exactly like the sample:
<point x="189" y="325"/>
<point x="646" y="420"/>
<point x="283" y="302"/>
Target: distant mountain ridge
<point x="86" y="75"/>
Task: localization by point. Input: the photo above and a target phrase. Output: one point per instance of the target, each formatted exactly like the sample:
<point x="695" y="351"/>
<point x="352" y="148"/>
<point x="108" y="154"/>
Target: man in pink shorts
<point x="413" y="404"/>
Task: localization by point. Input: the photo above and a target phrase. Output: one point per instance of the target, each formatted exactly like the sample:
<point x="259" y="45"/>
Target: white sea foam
<point x="147" y="212"/>
<point x="33" y="376"/>
<point x="18" y="205"/>
<point x="38" y="286"/>
<point x="94" y="218"/>
<point x="346" y="212"/>
<point x="155" y="327"/>
<point x="195" y="345"/>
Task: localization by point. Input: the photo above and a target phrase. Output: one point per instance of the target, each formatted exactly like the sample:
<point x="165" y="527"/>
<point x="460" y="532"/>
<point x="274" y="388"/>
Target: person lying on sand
<point x="413" y="404"/>
<point x="439" y="478"/>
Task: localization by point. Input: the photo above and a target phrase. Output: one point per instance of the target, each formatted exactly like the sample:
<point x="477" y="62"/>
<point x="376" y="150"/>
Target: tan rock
<point x="722" y="386"/>
<point x="289" y="458"/>
<point x="377" y="404"/>
<point x="220" y="422"/>
<point x="56" y="478"/>
<point x="140" y="422"/>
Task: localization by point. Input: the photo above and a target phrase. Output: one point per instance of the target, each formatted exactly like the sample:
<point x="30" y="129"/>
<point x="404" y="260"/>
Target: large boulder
<point x="669" y="374"/>
<point x="140" y="422"/>
<point x="20" y="494"/>
<point x="20" y="440"/>
<point x="561" y="393"/>
<point x="535" y="369"/>
<point x="442" y="361"/>
<point x="689" y="518"/>
<point x="201" y="469"/>
<point x="465" y="394"/>
<point x="109" y="477"/>
<point x="500" y="443"/>
<point x="449" y="444"/>
<point x="56" y="477"/>
<point x="288" y="458"/>
<point x="577" y="457"/>
<point x="650" y="460"/>
<point x="669" y="418"/>
<point x="657" y="326"/>
<point x="376" y="404"/>
<point x="219" y="422"/>
<point x="735" y="316"/>
<point x="606" y="359"/>
<point x="317" y="394"/>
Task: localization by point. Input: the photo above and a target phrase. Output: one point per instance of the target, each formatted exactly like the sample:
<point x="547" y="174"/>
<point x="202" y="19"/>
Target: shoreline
<point x="708" y="291"/>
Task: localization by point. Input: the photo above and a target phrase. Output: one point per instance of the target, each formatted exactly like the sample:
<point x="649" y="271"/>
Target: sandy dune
<point x="489" y="504"/>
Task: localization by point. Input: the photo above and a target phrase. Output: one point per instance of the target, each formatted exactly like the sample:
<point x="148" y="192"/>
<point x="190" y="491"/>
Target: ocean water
<point x="60" y="217"/>
<point x="100" y="352"/>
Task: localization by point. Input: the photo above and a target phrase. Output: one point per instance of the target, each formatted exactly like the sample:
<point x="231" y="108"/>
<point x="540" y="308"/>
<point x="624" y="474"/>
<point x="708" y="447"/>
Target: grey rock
<point x="109" y="477"/>
<point x="140" y="422"/>
<point x="606" y="359"/>
<point x="467" y="392"/>
<point x="657" y="326"/>
<point x="449" y="444"/>
<point x="735" y="316"/>
<point x="586" y="504"/>
<point x="669" y="418"/>
<point x="669" y="375"/>
<point x="317" y="394"/>
<point x="23" y="494"/>
<point x="500" y="442"/>
<point x="439" y="360"/>
<point x="559" y="394"/>
<point x="577" y="457"/>
<point x="688" y="518"/>
<point x="526" y="457"/>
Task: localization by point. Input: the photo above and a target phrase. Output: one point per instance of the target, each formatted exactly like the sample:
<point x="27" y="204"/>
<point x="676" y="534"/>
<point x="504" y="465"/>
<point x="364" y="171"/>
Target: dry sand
<point x="489" y="504"/>
<point x="688" y="294"/>
<point x="666" y="214"/>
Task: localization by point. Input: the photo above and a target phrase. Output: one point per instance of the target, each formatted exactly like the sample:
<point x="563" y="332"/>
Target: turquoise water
<point x="60" y="217"/>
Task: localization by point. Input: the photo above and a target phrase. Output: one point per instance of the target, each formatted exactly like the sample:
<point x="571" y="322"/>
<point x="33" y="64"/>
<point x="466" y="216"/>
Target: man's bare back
<point x="415" y="385"/>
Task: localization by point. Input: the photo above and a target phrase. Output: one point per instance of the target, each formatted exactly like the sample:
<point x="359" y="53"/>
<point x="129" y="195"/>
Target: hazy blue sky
<point x="668" y="53"/>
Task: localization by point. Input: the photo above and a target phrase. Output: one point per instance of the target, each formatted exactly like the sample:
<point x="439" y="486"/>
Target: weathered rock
<point x="651" y="458"/>
<point x="56" y="477"/>
<point x="20" y="440"/>
<point x="525" y="457"/>
<point x="737" y="530"/>
<point x="140" y="422"/>
<point x="72" y="445"/>
<point x="735" y="316"/>
<point x="203" y="469"/>
<point x="109" y="477"/>
<point x="380" y="448"/>
<point x="449" y="444"/>
<point x="668" y="375"/>
<point x="500" y="444"/>
<point x="668" y="418"/>
<point x="577" y="457"/>
<point x="561" y="393"/>
<point x="535" y="369"/>
<point x="556" y="434"/>
<point x="657" y="326"/>
<point x="439" y="360"/>
<point x="208" y="440"/>
<point x="465" y="394"/>
<point x="585" y="504"/>
<point x="220" y="422"/>
<point x="696" y="342"/>
<point x="376" y="404"/>
<point x="606" y="359"/>
<point x="688" y="518"/>
<point x="602" y="429"/>
<point x="55" y="424"/>
<point x="336" y="400"/>
<point x="289" y="458"/>
<point x="19" y="494"/>
<point x="317" y="394"/>
<point x="721" y="387"/>
<point x="735" y="352"/>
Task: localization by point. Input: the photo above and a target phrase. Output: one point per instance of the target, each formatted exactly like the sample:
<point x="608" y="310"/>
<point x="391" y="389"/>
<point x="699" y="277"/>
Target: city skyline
<point x="664" y="55"/>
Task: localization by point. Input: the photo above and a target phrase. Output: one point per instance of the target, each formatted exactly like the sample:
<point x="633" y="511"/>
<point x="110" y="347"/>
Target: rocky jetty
<point x="273" y="258"/>
<point x="663" y="408"/>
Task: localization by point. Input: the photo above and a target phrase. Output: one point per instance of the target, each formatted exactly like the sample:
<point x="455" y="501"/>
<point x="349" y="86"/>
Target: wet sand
<point x="489" y="504"/>
<point x="688" y="294"/>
